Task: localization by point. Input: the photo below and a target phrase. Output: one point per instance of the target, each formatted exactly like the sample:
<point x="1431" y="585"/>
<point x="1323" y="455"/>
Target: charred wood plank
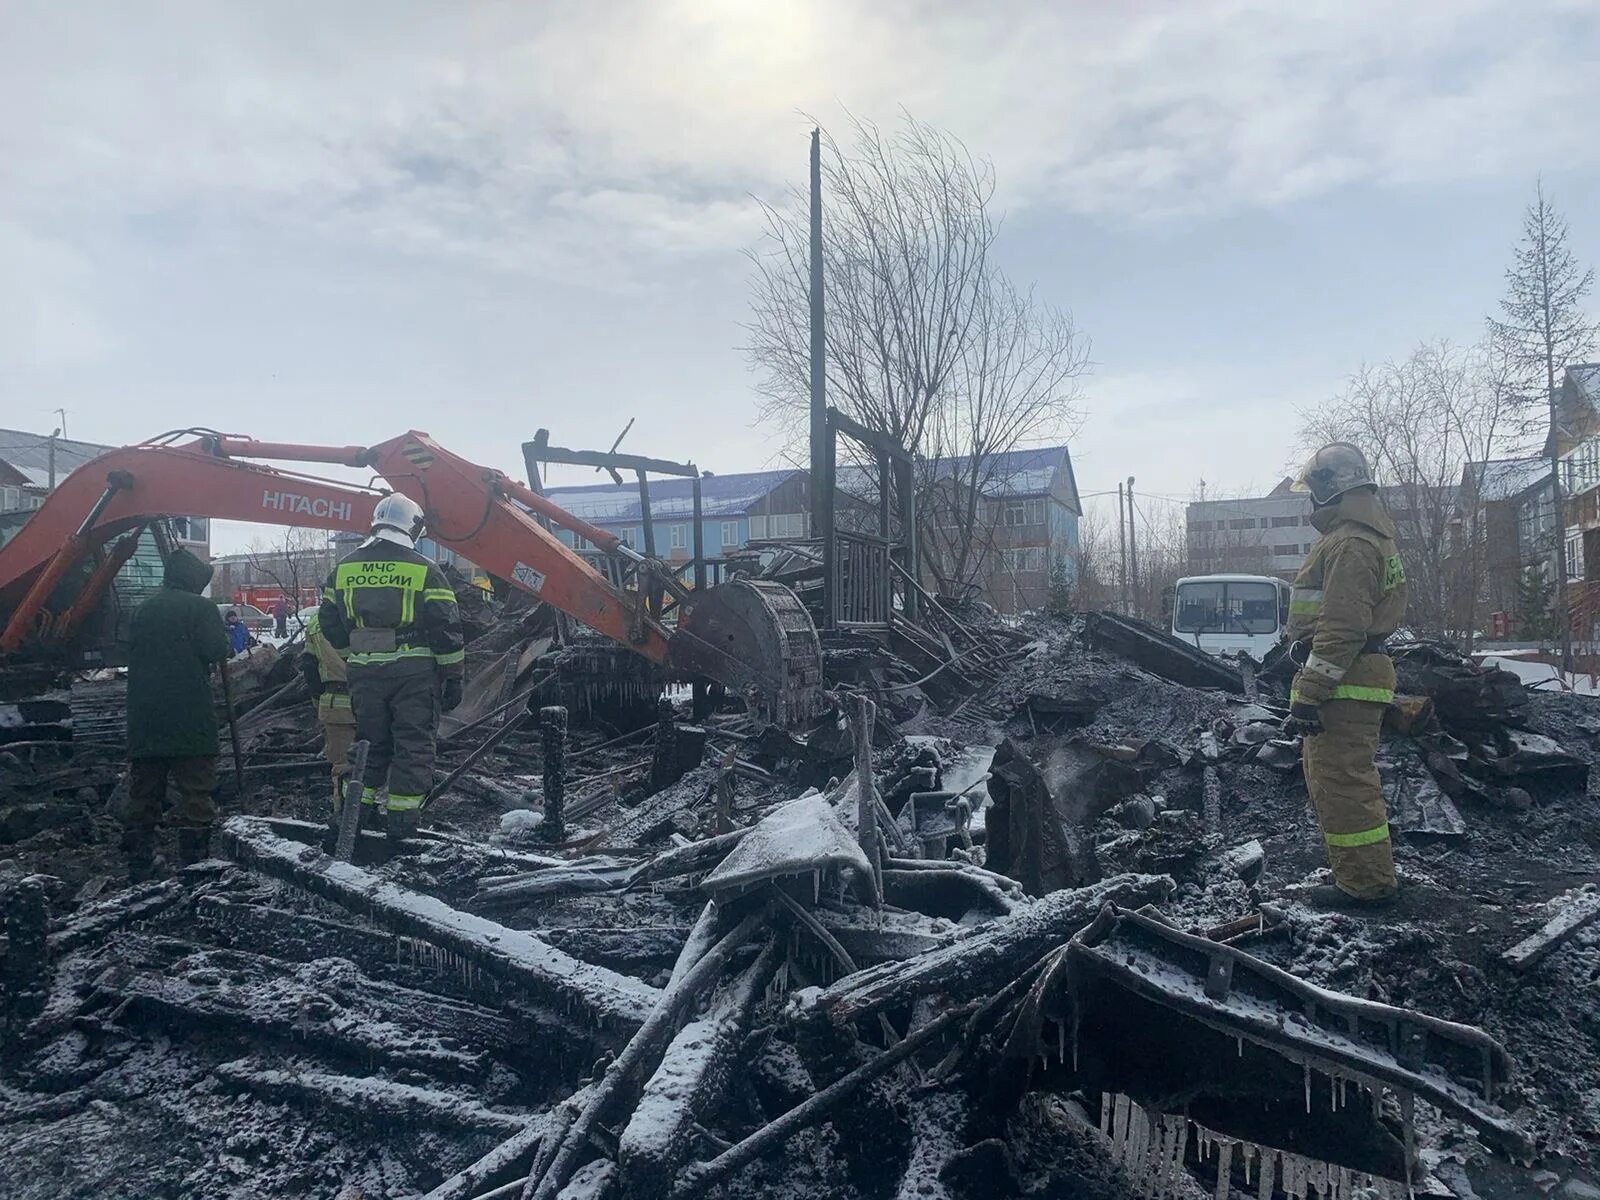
<point x="690" y="1083"/>
<point x="644" y="949"/>
<point x="1576" y="912"/>
<point x="113" y="913"/>
<point x="379" y="1101"/>
<point x="326" y="1006"/>
<point x="658" y="811"/>
<point x="985" y="959"/>
<point x="611" y="1000"/>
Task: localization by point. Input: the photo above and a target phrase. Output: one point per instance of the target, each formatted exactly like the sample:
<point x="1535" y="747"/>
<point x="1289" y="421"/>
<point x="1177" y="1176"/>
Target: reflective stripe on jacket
<point x="1351" y="588"/>
<point x="333" y="706"/>
<point x="384" y="586"/>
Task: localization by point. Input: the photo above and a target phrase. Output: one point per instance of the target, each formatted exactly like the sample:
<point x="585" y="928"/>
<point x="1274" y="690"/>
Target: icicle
<point x="1247" y="1156"/>
<point x="1105" y="1113"/>
<point x="1061" y="1043"/>
<point x="1239" y="1041"/>
<point x="1308" y="1088"/>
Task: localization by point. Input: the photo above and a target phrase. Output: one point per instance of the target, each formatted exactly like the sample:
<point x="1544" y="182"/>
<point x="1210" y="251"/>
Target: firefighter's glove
<point x="452" y="692"/>
<point x="312" y="676"/>
<point x="1303" y="720"/>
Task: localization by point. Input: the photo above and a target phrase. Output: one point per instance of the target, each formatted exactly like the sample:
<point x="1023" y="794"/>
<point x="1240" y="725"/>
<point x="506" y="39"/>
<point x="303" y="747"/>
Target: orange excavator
<point x="754" y="637"/>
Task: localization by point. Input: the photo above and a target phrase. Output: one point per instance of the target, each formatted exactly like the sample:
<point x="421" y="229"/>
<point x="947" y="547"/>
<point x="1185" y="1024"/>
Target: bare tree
<point x="928" y="341"/>
<point x="1419" y="421"/>
<point x="1543" y="327"/>
<point x="1093" y="561"/>
<point x="295" y="562"/>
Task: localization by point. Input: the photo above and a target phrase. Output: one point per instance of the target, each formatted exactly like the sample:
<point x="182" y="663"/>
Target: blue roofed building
<point x="1023" y="526"/>
<point x="735" y="510"/>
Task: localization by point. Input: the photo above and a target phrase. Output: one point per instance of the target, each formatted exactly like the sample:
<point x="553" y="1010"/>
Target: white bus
<point x="1223" y="614"/>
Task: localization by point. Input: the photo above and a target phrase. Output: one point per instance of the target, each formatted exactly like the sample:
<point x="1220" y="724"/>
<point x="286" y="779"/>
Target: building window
<point x="786" y="525"/>
<point x="1017" y="513"/>
<point x="730" y="533"/>
<point x="679" y="536"/>
<point x="1286" y="522"/>
<point x="1024" y="558"/>
<point x="1201" y="526"/>
<point x="1244" y="523"/>
<point x="10" y="499"/>
<point x="625" y="536"/>
<point x="581" y="543"/>
<point x="1292" y="549"/>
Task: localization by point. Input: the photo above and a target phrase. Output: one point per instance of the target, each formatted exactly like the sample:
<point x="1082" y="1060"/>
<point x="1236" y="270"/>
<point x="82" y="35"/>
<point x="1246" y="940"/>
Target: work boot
<point x="1333" y="898"/>
<point x="194" y="844"/>
<point x="139" y="847"/>
<point x="402" y="825"/>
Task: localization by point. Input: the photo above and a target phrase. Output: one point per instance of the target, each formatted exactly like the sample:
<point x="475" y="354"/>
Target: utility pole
<point x="62" y="413"/>
<point x="819" y="350"/>
<point x="1133" y="548"/>
<point x="53" y="436"/>
<point x="1122" y="551"/>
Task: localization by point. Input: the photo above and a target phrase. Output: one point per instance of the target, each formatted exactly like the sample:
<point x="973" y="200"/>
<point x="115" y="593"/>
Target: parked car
<point x="254" y="619"/>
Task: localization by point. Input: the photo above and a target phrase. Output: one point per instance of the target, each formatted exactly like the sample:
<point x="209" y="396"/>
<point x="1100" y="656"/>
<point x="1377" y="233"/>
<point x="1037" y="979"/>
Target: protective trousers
<point x="337" y="738"/>
<point x="1343" y="781"/>
<point x="397" y="712"/>
<point x="194" y="779"/>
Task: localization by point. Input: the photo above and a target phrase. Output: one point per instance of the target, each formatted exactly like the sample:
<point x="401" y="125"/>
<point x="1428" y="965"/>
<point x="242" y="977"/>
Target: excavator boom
<point x="754" y="638"/>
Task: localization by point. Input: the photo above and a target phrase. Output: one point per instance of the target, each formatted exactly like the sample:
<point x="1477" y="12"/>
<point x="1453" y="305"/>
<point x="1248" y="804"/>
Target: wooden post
<point x="905" y="485"/>
<point x="553" y="724"/>
<point x="862" y="712"/>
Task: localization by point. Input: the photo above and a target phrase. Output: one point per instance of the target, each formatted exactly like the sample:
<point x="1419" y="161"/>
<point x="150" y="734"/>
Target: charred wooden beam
<point x="985" y="959"/>
<point x="642" y="1054"/>
<point x="506" y="1163"/>
<point x="613" y="1001"/>
<point x="698" y="1179"/>
<point x="113" y="913"/>
<point x="1574" y="913"/>
<point x="326" y="1005"/>
<point x="378" y="1101"/>
<point x="689" y="1084"/>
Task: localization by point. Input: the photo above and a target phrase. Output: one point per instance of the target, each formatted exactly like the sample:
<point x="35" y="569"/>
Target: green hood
<point x="186" y="573"/>
<point x="1360" y="505"/>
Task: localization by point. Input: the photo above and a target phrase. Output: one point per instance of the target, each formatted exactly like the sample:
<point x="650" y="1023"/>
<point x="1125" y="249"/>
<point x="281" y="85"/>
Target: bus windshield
<point x="1218" y="607"/>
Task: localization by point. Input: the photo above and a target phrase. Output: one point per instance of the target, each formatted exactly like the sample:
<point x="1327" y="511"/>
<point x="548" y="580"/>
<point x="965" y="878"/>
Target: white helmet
<point x="401" y="514"/>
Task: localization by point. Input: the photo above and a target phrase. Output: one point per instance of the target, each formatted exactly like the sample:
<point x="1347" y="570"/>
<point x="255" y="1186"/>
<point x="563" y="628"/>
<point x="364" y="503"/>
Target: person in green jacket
<point x="175" y="638"/>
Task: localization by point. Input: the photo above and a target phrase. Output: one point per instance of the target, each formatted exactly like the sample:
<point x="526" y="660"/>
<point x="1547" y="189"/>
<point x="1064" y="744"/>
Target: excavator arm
<point x="753" y="637"/>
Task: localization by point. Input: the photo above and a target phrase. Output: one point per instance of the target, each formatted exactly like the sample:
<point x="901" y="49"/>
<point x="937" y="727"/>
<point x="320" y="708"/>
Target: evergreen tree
<point x="1060" y="601"/>
<point x="1543" y="329"/>
<point x="1534" y="620"/>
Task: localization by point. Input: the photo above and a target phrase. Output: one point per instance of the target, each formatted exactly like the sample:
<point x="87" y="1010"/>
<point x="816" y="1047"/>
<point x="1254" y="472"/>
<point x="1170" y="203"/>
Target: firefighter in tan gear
<point x="389" y="610"/>
<point x="328" y="680"/>
<point x="1348" y="598"/>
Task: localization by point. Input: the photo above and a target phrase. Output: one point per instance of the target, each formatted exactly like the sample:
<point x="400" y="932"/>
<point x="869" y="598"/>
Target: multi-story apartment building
<point x="1272" y="534"/>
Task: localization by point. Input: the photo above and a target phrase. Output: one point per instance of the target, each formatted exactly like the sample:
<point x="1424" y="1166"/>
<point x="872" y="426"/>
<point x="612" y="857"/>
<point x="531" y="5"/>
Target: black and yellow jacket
<point x="1350" y="594"/>
<point x="384" y="586"/>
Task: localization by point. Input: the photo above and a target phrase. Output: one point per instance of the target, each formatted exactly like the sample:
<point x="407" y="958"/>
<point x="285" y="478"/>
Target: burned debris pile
<point x="1021" y="915"/>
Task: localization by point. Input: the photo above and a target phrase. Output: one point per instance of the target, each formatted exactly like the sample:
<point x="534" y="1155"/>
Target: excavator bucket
<point x="757" y="638"/>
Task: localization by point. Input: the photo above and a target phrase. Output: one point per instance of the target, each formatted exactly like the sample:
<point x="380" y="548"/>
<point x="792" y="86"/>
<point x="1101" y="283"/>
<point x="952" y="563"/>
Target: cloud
<point x="599" y="141"/>
<point x="46" y="317"/>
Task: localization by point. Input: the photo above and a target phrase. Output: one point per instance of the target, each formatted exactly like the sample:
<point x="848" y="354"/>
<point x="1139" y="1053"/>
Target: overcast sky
<point x="334" y="222"/>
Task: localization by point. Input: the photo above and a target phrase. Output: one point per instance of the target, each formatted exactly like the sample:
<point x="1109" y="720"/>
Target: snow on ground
<point x="1545" y="675"/>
